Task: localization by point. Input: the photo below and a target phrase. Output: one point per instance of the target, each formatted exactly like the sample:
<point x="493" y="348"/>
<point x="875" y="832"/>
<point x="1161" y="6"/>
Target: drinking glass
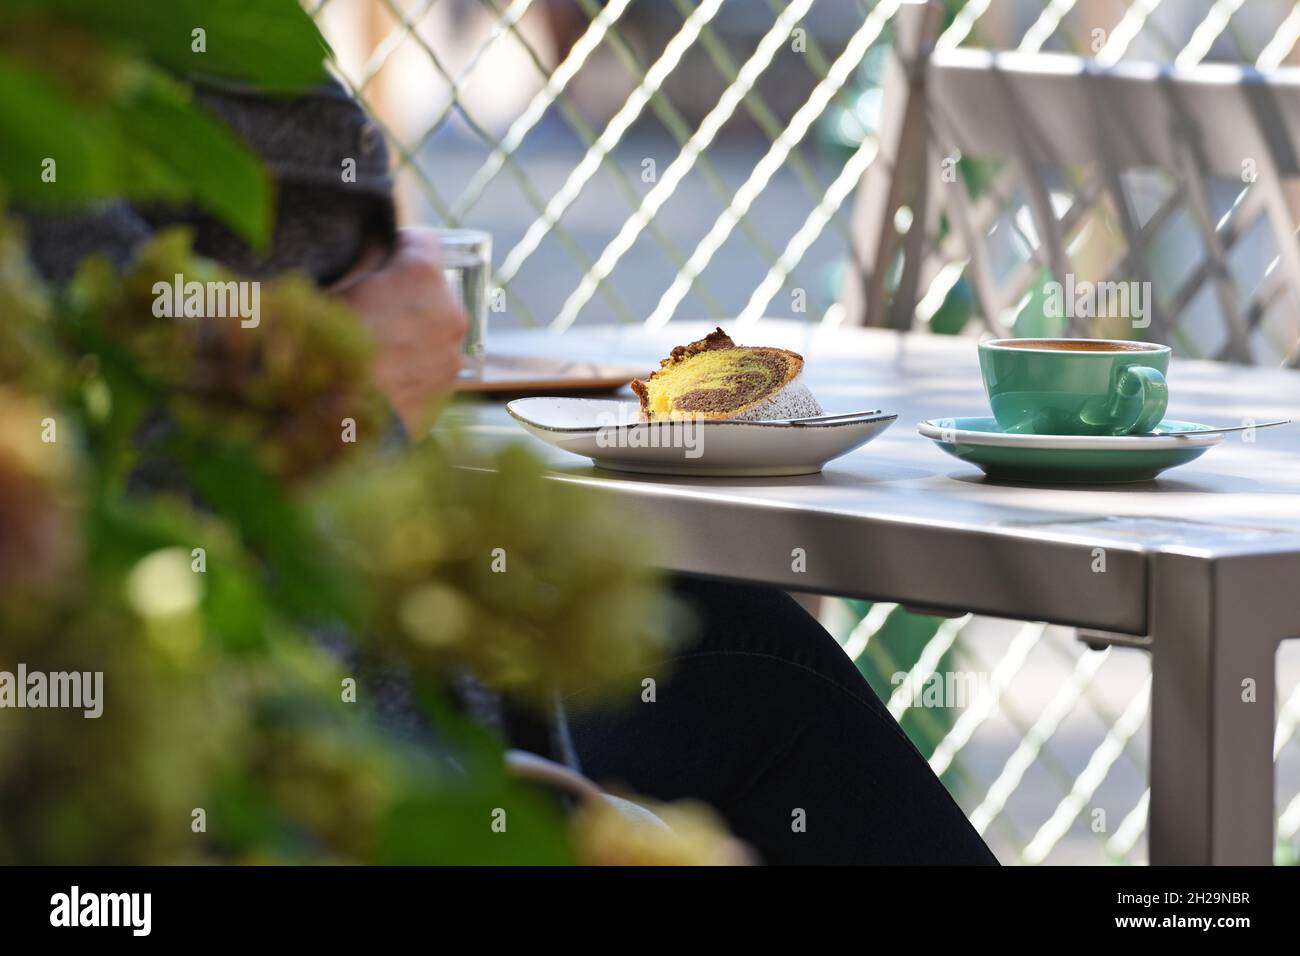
<point x="467" y="266"/>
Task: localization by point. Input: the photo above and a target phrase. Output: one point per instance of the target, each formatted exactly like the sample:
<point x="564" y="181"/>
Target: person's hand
<point x="417" y="324"/>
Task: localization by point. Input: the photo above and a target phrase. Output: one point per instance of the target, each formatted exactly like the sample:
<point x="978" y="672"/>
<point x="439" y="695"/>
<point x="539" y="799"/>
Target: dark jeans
<point x="764" y="716"/>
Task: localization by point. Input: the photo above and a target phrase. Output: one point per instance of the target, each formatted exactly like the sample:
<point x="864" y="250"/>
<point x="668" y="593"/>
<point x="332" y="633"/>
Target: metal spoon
<point x="1212" y="431"/>
<point x="824" y="419"/>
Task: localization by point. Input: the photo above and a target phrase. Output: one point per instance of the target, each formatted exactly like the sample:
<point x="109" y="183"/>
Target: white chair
<point x="1134" y="173"/>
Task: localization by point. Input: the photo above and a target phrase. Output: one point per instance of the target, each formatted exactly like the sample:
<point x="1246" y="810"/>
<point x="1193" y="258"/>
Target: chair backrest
<point x="1131" y="200"/>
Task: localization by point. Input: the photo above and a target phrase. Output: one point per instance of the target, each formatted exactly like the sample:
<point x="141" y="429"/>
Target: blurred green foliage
<point x="179" y="510"/>
<point x="215" y="695"/>
<point x="272" y="44"/>
<point x="93" y="89"/>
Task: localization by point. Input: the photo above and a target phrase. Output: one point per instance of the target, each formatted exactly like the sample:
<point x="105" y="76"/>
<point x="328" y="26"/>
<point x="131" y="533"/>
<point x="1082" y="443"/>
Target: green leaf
<point x="39" y="123"/>
<point x="154" y="143"/>
<point x="273" y="44"/>
<point x="222" y="174"/>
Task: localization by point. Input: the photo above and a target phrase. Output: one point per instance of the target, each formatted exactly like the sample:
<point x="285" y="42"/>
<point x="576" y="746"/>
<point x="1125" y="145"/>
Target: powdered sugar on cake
<point x="794" y="400"/>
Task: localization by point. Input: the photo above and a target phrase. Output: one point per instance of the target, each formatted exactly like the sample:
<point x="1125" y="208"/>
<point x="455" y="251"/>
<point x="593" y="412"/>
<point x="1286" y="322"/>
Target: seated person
<point x="763" y="716"/>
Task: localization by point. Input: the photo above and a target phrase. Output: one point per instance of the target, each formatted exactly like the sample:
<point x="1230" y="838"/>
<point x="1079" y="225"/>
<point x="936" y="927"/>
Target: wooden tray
<point x="520" y="373"/>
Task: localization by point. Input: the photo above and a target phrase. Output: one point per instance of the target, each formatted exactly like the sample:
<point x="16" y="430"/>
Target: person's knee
<point x="767" y="622"/>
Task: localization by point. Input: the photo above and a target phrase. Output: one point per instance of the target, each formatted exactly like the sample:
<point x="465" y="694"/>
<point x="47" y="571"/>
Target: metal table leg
<point x="1215" y="627"/>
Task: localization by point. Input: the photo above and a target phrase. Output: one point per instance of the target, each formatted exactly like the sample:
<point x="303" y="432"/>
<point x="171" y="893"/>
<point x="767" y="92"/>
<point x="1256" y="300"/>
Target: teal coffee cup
<point x="1075" y="386"/>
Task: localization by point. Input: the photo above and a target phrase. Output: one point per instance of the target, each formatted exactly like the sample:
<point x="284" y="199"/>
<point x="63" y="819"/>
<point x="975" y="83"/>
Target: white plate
<point x="610" y="433"/>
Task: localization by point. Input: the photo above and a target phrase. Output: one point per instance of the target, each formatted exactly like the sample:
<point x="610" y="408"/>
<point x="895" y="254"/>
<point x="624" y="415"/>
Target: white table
<point x="1202" y="567"/>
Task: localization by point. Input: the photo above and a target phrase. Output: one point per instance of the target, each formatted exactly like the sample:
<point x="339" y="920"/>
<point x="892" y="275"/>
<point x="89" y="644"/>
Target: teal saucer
<point x="1068" y="459"/>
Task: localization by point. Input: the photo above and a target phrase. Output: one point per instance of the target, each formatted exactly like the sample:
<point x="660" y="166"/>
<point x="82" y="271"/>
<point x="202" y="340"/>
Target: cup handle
<point x="1146" y="390"/>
